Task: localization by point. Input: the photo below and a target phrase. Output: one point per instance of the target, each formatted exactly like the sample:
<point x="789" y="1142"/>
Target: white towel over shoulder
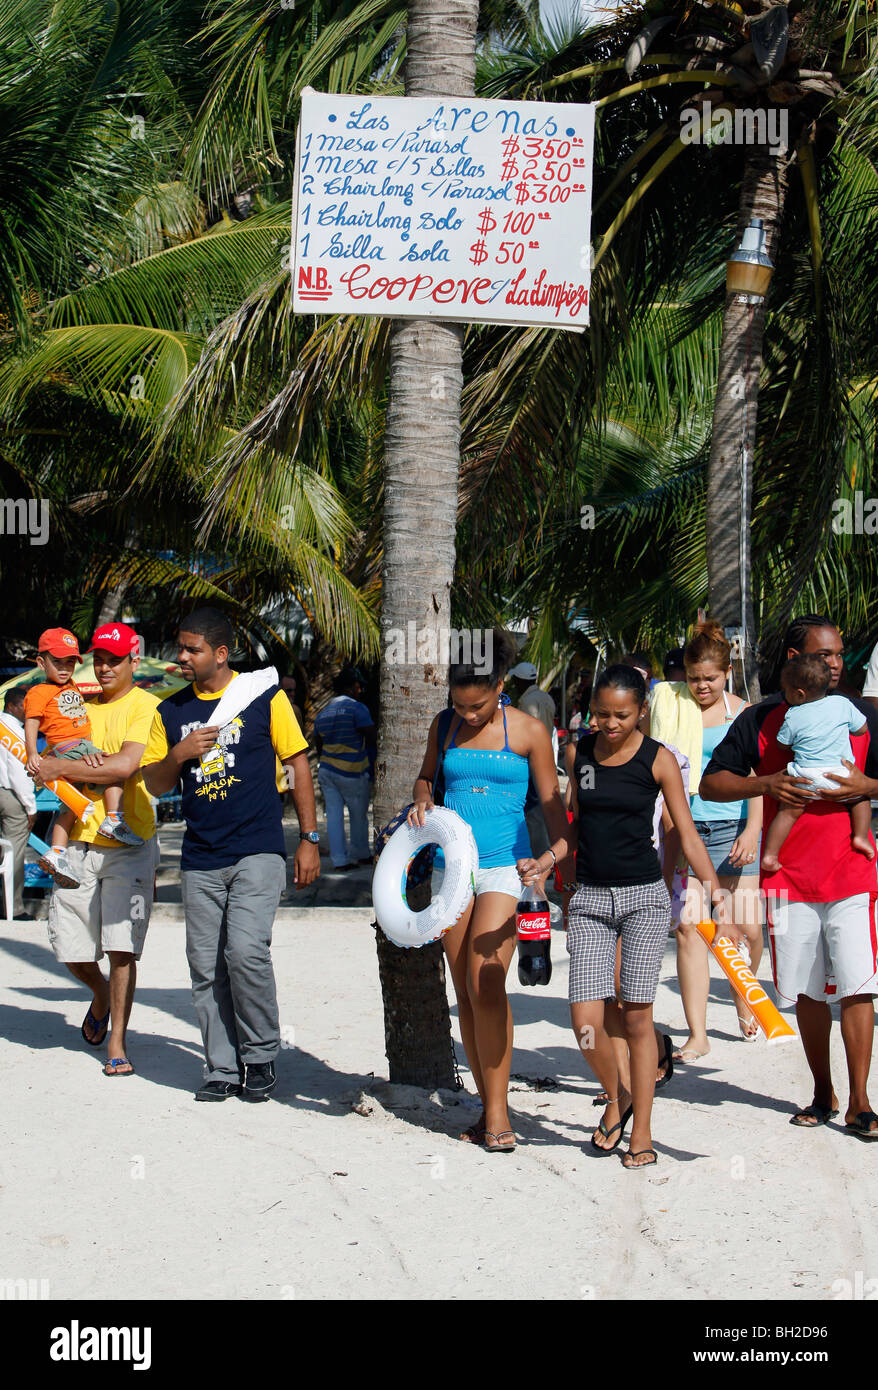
<point x="241" y="692"/>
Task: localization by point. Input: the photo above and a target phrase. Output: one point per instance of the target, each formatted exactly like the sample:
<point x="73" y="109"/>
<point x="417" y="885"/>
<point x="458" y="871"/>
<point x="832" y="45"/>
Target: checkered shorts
<point x="598" y="916"/>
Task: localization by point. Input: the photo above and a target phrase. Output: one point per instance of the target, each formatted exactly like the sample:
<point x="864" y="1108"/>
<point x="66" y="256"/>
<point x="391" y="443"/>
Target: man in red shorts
<point x="823" y="936"/>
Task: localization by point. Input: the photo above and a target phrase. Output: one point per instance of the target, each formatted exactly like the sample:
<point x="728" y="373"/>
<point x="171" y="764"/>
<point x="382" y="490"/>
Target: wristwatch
<point x="312" y="836"/>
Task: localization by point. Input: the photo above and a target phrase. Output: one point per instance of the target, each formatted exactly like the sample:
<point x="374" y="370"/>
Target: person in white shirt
<point x="18" y="802"/>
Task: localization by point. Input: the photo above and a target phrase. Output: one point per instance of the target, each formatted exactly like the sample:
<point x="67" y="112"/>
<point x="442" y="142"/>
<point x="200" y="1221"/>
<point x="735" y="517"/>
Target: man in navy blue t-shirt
<point x="232" y="865"/>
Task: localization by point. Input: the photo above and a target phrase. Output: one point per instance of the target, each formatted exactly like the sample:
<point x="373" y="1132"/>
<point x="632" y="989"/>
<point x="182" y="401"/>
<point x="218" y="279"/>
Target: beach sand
<point x="342" y="1187"/>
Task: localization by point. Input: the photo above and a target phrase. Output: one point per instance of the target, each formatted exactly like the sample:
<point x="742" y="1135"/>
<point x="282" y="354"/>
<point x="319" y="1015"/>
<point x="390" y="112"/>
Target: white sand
<point x="125" y="1188"/>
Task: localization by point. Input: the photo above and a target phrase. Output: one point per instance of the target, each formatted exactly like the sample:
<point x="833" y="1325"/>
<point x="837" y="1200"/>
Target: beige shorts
<point x="109" y="911"/>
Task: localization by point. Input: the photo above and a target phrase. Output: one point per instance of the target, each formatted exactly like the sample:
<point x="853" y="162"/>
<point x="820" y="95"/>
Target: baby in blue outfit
<point x="817" y="732"/>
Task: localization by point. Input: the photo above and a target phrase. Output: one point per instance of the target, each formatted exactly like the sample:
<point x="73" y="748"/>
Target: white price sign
<point x="443" y="207"/>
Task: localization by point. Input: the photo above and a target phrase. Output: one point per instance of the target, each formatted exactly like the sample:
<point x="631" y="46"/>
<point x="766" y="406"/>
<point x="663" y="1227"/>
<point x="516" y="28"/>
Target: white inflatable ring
<point x="399" y="922"/>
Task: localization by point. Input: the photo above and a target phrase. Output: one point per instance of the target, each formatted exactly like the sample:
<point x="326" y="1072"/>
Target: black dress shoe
<point x="259" y="1081"/>
<point x="218" y="1090"/>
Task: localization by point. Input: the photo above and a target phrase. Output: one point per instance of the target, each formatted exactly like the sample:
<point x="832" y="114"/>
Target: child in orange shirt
<point x="57" y="710"/>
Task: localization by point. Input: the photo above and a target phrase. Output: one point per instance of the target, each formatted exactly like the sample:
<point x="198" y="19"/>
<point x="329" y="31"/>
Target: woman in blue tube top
<point x="491" y="751"/>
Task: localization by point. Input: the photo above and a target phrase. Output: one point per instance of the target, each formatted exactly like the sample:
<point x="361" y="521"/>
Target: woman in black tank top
<point x="616" y="812"/>
<point x="620" y="892"/>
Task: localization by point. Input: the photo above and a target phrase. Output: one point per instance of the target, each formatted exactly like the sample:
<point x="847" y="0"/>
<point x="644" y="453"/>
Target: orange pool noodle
<point x="745" y="983"/>
<point x="73" y="798"/>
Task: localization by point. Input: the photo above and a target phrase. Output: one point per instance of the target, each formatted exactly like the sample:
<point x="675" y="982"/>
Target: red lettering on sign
<point x="313" y="282"/>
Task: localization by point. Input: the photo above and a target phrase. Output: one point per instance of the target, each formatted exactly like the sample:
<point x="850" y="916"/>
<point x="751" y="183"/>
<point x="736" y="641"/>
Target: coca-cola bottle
<point x="534" y="937"/>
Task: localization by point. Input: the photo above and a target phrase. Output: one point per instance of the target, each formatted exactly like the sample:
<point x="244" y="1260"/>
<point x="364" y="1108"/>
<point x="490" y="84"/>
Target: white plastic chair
<point x="7" y="874"/>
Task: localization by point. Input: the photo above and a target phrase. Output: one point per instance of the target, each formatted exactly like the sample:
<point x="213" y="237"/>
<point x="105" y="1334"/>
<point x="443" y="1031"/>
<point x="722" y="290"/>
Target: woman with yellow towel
<point x="694" y="716"/>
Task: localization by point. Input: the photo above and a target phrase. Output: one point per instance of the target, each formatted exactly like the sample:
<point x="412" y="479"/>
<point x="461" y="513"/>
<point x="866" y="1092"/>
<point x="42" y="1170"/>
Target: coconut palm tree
<point x="421" y="466"/>
<point x="109" y="305"/>
<point x="750" y="61"/>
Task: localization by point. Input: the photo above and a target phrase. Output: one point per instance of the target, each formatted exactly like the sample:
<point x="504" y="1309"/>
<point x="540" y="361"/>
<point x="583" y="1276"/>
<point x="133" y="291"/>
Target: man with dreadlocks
<point x="822" y="932"/>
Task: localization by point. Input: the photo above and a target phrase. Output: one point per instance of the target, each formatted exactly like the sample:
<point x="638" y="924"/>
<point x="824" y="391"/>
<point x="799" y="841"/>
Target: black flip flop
<point x="636" y="1154"/>
<point x="668" y="1061"/>
<point x="860" y="1125"/>
<point x="607" y="1132"/>
<point x="821" y="1114"/>
<point x="96" y="1023"/>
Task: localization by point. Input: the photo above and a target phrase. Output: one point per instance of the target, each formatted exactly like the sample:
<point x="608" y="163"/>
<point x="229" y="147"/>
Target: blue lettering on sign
<point x="360" y="248"/>
<point x="449" y="223"/>
<point x="358" y="120"/>
<point x="333" y="164"/>
<point x="449" y="118"/>
<point x="463" y="169"/>
<point x="437" y="252"/>
<point x="338" y="215"/>
<point x="338" y="142"/>
<point x="456" y="189"/>
<point x="335" y="188"/>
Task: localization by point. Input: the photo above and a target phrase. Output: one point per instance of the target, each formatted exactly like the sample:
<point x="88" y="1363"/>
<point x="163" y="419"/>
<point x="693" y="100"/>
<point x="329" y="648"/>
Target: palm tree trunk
<point x="730" y="469"/>
<point x="422" y="461"/>
<point x="111" y="605"/>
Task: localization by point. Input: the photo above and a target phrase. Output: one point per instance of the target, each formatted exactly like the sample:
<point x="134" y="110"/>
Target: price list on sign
<point x="443" y="207"/>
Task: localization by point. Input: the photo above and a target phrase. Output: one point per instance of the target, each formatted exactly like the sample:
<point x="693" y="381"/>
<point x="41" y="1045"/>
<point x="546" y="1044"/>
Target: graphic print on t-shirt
<point x="214" y="770"/>
<point x="71" y="705"/>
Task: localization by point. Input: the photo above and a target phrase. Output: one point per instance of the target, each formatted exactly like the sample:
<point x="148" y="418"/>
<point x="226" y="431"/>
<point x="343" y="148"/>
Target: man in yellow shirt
<point x="109" y="910"/>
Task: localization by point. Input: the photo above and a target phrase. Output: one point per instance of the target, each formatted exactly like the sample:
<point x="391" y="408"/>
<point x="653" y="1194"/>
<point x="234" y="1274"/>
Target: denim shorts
<point x="718" y="836"/>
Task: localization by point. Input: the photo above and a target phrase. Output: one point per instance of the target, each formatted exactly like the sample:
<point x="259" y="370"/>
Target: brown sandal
<point x="475" y="1134"/>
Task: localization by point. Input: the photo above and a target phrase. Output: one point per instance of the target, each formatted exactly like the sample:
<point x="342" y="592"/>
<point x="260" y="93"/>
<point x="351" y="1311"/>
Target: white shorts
<point x="503" y="879"/>
<point x="826" y="951"/>
<point x="109" y="911"/>
<point x="817" y="775"/>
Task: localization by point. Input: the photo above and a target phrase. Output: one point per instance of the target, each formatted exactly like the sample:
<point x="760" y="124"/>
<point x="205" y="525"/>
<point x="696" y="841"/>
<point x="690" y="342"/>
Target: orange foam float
<point x="72" y="797"/>
<point x="745" y="983"/>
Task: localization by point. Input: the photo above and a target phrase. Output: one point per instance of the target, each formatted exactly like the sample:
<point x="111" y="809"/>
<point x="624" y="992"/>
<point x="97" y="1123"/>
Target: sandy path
<point x="128" y="1189"/>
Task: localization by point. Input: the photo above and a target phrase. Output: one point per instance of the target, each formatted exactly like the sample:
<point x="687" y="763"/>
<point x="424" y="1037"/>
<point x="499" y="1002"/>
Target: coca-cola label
<point x="533" y="926"/>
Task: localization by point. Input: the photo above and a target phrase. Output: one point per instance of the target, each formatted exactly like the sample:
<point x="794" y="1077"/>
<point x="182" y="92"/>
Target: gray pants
<point x="229" y="916"/>
<point x="14" y="826"/>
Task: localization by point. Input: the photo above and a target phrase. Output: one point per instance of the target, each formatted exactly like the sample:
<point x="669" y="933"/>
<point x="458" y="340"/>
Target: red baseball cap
<point x="118" y="638"/>
<point x="57" y="641"/>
